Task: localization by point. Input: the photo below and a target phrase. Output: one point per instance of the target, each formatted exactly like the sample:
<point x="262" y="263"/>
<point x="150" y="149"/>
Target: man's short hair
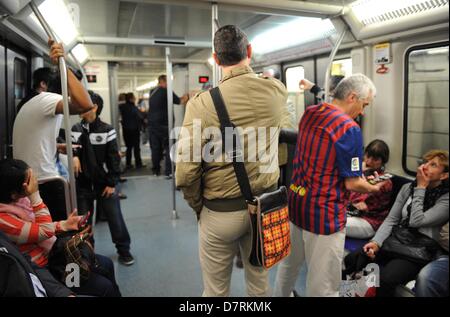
<point x="230" y="45"/>
<point x="96" y="100"/>
<point x="357" y="83"/>
<point x="50" y="77"/>
<point x="162" y="78"/>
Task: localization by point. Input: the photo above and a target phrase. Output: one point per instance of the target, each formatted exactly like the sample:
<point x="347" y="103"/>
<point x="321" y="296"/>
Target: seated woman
<point x="373" y="208"/>
<point x="426" y="199"/>
<point x="25" y="219"/>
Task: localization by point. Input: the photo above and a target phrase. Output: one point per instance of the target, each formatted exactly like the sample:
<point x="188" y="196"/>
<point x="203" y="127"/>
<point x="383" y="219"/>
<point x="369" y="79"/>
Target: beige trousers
<point x="323" y="255"/>
<point x="220" y="236"/>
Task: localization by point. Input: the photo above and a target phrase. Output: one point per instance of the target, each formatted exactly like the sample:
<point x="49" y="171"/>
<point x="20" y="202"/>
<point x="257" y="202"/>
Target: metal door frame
<point x="11" y="111"/>
<point x="3" y="103"/>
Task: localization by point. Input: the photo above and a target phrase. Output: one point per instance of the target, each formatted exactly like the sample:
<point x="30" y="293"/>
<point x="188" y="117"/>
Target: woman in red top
<point x="371" y="209"/>
<point x="25" y="219"/>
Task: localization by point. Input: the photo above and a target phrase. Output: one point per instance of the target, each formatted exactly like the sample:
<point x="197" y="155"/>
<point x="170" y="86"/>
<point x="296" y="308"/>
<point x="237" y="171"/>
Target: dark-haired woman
<point x="372" y="208"/>
<point x="423" y="205"/>
<point x="25" y="219"/>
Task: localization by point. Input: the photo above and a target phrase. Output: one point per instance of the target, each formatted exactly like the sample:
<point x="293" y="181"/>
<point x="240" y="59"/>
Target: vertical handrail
<point x="326" y="84"/>
<point x="170" y="116"/>
<point x="65" y="94"/>
<point x="66" y="189"/>
<point x="214" y="27"/>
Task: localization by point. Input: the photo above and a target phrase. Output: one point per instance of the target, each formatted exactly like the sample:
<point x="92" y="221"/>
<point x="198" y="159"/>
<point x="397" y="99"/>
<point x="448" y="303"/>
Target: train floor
<point x="166" y="251"/>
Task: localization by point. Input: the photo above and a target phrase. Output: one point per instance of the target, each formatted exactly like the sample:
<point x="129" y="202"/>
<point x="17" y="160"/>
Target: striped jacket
<point x="33" y="237"/>
<point x="99" y="148"/>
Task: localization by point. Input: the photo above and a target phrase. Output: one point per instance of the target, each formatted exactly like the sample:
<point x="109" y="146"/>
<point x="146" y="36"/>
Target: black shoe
<point x="169" y="176"/>
<point x="129" y="167"/>
<point x="126" y="259"/>
<point x="294" y="292"/>
<point x="239" y="263"/>
<point x="123" y="180"/>
<point x="141" y="166"/>
<point x="122" y="196"/>
<point x="156" y="173"/>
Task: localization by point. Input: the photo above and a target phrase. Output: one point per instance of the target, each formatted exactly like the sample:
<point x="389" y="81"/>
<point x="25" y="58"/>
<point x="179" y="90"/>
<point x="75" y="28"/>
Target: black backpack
<point x="15" y="278"/>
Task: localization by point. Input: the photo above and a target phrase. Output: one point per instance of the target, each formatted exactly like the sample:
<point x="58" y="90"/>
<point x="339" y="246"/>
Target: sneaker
<point x="126" y="259"/>
<point x="169" y="176"/>
<point x="122" y="196"/>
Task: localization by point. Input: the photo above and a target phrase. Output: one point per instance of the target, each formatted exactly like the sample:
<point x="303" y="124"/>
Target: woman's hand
<point x="361" y="206"/>
<point x="422" y="179"/>
<point x="371" y="249"/>
<point x="72" y="222"/>
<point x="31" y="184"/>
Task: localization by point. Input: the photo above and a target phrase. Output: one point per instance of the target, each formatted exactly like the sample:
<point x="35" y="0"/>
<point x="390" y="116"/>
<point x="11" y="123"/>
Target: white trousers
<point x="323" y="255"/>
<point x="359" y="228"/>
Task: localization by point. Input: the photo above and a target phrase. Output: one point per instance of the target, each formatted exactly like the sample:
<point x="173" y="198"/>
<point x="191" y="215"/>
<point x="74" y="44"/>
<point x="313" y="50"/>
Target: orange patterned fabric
<point x="275" y="236"/>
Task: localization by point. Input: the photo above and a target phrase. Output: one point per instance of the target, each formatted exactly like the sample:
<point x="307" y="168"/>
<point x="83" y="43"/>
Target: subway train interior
<point x="120" y="47"/>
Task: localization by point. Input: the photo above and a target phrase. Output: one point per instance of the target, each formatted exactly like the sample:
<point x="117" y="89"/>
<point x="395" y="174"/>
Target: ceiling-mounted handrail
<point x="326" y="84"/>
<point x="65" y="94"/>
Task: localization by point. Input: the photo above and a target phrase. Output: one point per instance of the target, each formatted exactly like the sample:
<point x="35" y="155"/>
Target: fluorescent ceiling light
<point x="80" y="53"/>
<point x="376" y="11"/>
<point x="57" y="16"/>
<point x="298" y="31"/>
<point x="148" y="85"/>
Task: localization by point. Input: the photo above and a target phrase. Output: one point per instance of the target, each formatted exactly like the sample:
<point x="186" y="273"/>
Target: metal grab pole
<point x="214" y="27"/>
<point x="326" y="84"/>
<point x="65" y="94"/>
<point x="170" y="116"/>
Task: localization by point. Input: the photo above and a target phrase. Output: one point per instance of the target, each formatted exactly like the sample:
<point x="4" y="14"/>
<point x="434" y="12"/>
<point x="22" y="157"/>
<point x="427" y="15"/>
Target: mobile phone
<point x="380" y="178"/>
<point x="84" y="220"/>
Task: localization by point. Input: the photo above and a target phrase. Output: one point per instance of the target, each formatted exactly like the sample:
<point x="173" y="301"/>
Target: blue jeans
<point x="110" y="207"/>
<point x="432" y="280"/>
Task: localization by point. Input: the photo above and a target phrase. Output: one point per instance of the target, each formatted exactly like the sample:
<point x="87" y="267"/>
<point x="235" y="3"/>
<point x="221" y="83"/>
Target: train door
<point x="17" y="86"/>
<point x="3" y="125"/>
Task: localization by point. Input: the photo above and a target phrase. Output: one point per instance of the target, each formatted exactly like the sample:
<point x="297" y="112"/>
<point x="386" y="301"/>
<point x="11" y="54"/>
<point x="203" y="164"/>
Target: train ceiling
<point x="125" y="31"/>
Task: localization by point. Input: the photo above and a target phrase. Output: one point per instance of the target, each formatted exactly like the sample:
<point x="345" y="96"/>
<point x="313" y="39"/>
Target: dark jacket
<point x="15" y="270"/>
<point x="131" y="117"/>
<point x="157" y="112"/>
<point x="98" y="142"/>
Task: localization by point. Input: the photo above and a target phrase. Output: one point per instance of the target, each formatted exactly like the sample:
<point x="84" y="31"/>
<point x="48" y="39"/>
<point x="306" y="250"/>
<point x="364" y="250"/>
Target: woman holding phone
<point x="25" y="219"/>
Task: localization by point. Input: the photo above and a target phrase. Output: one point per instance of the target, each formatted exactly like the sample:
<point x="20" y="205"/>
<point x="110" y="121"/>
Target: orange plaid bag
<point x="270" y="228"/>
<point x="268" y="212"/>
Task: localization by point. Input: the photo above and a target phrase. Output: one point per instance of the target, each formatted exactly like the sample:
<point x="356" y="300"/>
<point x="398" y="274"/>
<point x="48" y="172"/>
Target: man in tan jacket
<point x="255" y="106"/>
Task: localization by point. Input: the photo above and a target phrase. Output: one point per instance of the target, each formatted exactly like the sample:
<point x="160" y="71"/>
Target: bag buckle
<point x="234" y="154"/>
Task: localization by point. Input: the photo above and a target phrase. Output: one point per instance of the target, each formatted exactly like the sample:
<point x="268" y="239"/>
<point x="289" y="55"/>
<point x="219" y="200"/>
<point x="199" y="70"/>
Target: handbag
<point x="408" y="243"/>
<point x="75" y="249"/>
<point x="269" y="215"/>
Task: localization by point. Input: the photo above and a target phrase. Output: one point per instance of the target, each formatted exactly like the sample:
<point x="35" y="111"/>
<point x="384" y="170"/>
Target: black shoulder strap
<point x="239" y="167"/>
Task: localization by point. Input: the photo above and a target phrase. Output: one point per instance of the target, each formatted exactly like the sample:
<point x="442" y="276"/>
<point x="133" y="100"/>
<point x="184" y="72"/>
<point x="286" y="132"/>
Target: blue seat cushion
<point x="353" y="245"/>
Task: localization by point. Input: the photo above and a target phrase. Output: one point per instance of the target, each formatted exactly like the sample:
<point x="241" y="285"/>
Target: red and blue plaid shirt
<point x="329" y="149"/>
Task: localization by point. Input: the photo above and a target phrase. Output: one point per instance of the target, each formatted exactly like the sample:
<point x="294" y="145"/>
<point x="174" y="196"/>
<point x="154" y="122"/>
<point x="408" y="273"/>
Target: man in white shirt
<point x="37" y="125"/>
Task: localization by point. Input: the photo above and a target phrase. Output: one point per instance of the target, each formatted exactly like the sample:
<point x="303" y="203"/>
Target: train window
<point x="296" y="96"/>
<point x="20" y="73"/>
<point x="342" y="67"/>
<point x="426" y="102"/>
